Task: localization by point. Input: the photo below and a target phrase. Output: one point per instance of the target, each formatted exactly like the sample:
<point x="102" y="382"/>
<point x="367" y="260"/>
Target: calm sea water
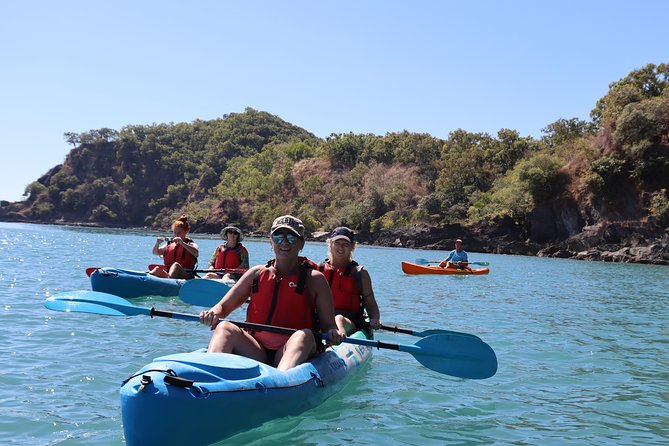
<point x="583" y="350"/>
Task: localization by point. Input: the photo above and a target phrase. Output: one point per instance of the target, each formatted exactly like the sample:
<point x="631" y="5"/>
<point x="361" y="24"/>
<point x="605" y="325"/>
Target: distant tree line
<point x="249" y="167"/>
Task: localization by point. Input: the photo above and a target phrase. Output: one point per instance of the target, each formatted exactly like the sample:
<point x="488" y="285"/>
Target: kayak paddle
<point x="420" y="334"/>
<point x="207" y="293"/>
<point x="450" y="354"/>
<point x="107" y="304"/>
<point x="426" y="262"/>
<point x="203" y="292"/>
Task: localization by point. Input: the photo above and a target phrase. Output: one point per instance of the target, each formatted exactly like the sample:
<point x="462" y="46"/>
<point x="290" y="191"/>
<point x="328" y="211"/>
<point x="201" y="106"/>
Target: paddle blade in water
<point x="455" y="355"/>
<point x="93" y="302"/>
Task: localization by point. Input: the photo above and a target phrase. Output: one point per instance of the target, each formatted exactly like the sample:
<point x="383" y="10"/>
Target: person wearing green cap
<point x="286" y="292"/>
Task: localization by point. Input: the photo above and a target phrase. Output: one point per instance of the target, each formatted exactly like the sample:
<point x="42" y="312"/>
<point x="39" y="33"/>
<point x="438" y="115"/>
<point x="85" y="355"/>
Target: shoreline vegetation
<point x="590" y="190"/>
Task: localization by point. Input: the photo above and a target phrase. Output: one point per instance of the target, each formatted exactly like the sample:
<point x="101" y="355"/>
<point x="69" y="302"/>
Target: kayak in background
<point x="130" y="284"/>
<point x="201" y="398"/>
<point x="412" y="268"/>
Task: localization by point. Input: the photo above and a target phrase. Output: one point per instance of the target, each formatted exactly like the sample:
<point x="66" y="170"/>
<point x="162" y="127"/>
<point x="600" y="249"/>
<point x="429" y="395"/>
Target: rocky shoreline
<point x="622" y="242"/>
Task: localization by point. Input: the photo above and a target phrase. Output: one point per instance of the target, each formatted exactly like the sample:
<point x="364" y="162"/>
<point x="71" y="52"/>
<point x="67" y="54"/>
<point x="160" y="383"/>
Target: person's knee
<point x="303" y="338"/>
<point x="225" y="328"/>
<point x="305" y="335"/>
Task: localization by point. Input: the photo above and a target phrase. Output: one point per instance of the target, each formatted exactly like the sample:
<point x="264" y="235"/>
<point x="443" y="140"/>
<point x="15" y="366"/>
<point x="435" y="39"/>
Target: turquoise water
<point x="583" y="350"/>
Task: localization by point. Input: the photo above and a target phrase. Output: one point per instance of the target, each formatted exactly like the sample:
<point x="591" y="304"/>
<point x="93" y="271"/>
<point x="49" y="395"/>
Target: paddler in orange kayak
<point x="457" y="258"/>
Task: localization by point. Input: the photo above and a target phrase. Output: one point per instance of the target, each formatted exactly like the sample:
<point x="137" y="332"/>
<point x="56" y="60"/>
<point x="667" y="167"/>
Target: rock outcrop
<point x="627" y="242"/>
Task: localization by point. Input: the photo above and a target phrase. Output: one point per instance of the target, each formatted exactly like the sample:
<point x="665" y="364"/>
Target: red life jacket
<point x="175" y="253"/>
<point x="346" y="287"/>
<point x="280" y="301"/>
<point x="308" y="262"/>
<point x="229" y="258"/>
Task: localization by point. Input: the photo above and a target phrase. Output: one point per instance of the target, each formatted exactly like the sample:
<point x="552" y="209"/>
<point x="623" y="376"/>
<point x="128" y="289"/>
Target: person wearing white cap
<point x="286" y="293"/>
<point x="350" y="283"/>
<point x="456" y="258"/>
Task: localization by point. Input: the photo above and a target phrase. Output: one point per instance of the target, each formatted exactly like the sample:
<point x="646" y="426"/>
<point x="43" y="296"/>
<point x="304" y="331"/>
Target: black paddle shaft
<point x="380" y="345"/>
<point x="386" y="328"/>
<point x="246" y="325"/>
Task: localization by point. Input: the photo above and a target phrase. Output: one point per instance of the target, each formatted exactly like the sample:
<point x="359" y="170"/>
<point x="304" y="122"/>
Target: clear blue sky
<point x="362" y="66"/>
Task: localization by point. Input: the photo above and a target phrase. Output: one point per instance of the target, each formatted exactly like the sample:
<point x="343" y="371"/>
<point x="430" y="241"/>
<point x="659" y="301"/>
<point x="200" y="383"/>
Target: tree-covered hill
<point x="249" y="167"/>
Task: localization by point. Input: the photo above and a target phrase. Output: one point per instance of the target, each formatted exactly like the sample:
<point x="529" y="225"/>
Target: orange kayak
<point x="412" y="268"/>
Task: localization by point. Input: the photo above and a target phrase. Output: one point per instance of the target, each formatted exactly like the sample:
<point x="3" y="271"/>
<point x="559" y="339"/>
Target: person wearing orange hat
<point x="456" y="258"/>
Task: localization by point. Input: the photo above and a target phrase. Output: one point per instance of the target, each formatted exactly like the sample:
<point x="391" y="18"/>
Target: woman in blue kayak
<point x="349" y="282"/>
<point x="287" y="292"/>
<point x="456" y="258"/>
<point x="179" y="254"/>
<point x="230" y="254"/>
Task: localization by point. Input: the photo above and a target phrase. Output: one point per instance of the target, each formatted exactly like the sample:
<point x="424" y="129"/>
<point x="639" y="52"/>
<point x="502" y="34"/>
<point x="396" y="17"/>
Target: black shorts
<point x="271" y="355"/>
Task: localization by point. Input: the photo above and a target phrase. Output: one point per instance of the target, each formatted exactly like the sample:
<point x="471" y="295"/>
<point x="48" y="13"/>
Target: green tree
<point x="645" y="83"/>
<point x="72" y="138"/>
<point x="343" y="150"/>
<point x="537" y="174"/>
<point x="566" y="130"/>
<point x="642" y="122"/>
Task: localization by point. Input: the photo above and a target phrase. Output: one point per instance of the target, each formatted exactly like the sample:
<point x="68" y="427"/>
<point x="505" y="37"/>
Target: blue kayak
<point x="201" y="398"/>
<point x="128" y="284"/>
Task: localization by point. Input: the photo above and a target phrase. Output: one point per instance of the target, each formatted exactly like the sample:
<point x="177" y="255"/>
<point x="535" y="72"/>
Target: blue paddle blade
<point x="93" y="302"/>
<point x="203" y="292"/>
<point x="455" y="355"/>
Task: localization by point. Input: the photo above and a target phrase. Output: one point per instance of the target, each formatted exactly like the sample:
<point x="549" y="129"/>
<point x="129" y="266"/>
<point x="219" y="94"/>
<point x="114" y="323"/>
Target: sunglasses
<point x="280" y="238"/>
